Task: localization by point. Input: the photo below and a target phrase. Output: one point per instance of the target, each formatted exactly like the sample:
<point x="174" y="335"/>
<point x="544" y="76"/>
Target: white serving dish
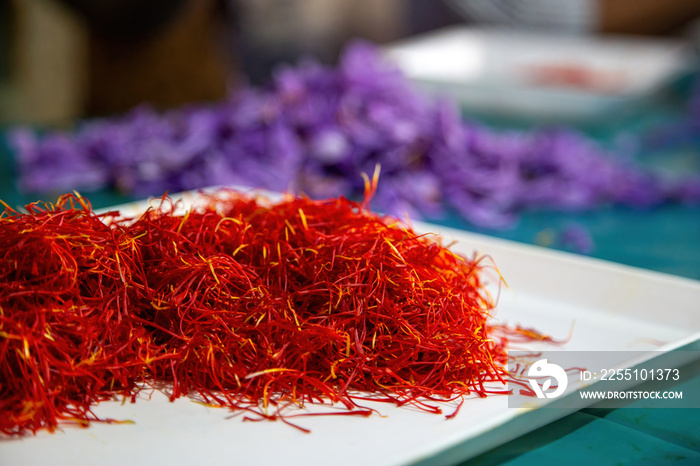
<point x="614" y="308"/>
<point x="537" y="75"/>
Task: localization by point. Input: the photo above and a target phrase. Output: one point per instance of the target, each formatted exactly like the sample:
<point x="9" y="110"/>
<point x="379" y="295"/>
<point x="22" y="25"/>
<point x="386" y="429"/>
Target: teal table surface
<point x="665" y="239"/>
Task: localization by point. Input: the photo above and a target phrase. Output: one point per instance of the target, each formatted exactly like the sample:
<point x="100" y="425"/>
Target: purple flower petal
<point x="316" y="129"/>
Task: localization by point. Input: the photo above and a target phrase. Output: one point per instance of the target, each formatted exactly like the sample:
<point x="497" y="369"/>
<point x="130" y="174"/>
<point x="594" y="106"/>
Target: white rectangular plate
<point x="614" y="307"/>
<point x="539" y="75"/>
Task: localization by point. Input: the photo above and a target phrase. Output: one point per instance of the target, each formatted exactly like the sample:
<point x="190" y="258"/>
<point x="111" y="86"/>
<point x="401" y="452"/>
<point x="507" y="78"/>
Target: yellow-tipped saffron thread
<point x="250" y="305"/>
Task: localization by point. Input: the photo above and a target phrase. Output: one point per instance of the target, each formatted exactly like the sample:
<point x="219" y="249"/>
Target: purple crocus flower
<point x="316" y="129"/>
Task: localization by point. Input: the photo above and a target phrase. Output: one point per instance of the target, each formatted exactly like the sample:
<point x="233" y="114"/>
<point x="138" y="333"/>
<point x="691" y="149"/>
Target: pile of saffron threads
<point x="68" y="285"/>
<point x="239" y="302"/>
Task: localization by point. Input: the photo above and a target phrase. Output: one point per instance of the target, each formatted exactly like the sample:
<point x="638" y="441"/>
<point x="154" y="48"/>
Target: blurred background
<point x="67" y="59"/>
<point x="64" y="59"/>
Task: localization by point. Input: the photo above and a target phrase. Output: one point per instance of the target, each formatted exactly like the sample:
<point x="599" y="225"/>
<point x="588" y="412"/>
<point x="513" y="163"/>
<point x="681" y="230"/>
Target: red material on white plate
<point x="614" y="308"/>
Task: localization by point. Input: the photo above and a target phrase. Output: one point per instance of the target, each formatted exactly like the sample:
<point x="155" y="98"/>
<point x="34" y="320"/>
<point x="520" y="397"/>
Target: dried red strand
<point x="238" y="302"/>
<point x="68" y="283"/>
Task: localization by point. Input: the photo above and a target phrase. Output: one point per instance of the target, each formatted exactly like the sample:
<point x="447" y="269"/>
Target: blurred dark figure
<point x="652" y="17"/>
<point x="5" y="40"/>
<point x="164" y="52"/>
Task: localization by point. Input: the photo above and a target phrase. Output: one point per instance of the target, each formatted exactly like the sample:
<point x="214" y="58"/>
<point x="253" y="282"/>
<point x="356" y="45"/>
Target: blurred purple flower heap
<point x="316" y="129"/>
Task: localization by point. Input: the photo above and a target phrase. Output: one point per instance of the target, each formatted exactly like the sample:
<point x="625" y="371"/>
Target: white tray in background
<point x="614" y="308"/>
<point x="538" y="75"/>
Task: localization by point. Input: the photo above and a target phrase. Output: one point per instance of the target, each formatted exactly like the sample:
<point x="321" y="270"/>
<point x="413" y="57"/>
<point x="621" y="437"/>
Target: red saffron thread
<point x="239" y="303"/>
